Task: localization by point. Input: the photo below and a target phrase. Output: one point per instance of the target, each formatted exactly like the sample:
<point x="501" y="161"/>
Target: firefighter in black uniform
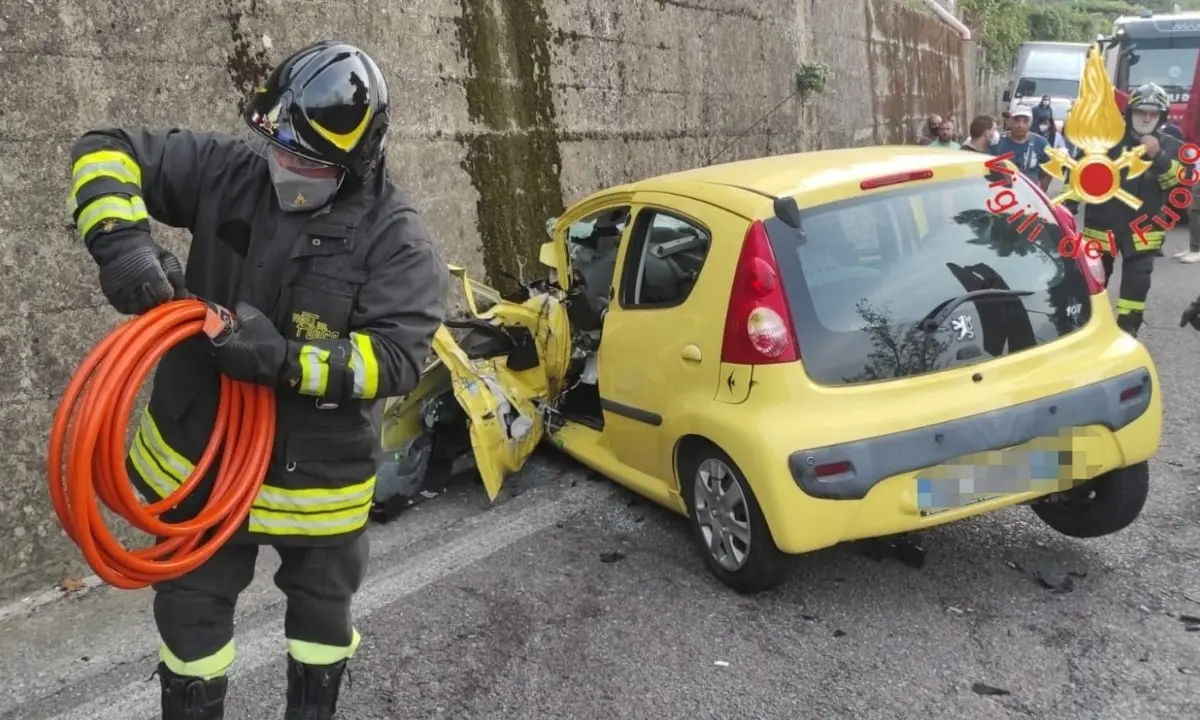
<point x="337" y="289"/>
<point x="1144" y="116"/>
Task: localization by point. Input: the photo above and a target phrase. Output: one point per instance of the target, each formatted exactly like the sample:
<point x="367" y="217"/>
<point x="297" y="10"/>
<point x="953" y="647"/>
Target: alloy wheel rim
<point x="722" y="514"/>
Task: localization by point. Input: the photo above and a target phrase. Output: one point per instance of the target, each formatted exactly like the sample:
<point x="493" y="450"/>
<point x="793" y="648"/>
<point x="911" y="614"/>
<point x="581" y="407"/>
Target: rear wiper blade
<point x="934" y="319"/>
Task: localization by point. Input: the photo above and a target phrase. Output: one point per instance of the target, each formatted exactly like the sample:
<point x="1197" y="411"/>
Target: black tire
<point x="1099" y="507"/>
<point x="763" y="566"/>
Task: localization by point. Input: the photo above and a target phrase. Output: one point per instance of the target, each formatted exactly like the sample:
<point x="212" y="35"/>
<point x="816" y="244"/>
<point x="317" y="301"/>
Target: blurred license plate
<point x="990" y="475"/>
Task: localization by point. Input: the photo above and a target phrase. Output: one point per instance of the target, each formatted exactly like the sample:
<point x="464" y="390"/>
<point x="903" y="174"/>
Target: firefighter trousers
<point x="194" y="613"/>
<point x="1136" y="268"/>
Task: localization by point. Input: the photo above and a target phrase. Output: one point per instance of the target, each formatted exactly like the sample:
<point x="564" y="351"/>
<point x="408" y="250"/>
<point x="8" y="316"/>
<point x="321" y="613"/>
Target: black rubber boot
<point x="1130" y="323"/>
<point x="312" y="690"/>
<point x="191" y="698"/>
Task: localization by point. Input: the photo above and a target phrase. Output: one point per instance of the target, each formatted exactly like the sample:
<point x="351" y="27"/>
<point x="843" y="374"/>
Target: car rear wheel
<point x="727" y="523"/>
<point x="1101" y="506"/>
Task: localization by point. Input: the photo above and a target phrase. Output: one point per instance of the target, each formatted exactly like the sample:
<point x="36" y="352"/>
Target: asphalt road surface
<point x="521" y="610"/>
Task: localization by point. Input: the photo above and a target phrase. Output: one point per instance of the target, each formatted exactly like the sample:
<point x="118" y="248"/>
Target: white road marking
<point x="265" y="643"/>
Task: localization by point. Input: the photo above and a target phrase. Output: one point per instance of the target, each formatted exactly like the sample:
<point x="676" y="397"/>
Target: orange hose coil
<point x="101" y="397"/>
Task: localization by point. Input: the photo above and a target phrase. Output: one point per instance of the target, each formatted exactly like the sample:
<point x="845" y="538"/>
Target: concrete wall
<point x="504" y="111"/>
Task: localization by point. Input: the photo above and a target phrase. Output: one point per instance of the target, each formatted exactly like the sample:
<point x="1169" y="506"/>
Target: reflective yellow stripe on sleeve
<point x="104" y="163"/>
<point x="314" y="370"/>
<point x="365" y="366"/>
<point x="111" y="207"/>
<point x="1171" y="176"/>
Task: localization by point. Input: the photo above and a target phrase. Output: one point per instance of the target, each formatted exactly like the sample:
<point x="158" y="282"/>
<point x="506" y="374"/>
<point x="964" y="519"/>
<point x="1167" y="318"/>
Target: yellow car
<point x="799" y="351"/>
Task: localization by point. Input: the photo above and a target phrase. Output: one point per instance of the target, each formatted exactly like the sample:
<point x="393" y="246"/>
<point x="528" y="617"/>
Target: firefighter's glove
<point x="1191" y="316"/>
<point x="141" y="278"/>
<point x="254" y="351"/>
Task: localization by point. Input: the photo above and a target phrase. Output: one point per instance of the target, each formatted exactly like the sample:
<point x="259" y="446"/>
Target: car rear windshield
<point x="865" y="278"/>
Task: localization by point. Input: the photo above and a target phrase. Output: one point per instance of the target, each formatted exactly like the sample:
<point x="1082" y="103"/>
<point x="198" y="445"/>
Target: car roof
<point x="749" y="187"/>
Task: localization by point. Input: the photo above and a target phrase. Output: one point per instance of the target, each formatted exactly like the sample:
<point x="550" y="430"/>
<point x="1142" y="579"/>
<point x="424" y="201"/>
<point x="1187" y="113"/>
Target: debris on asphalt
<point x="1186" y="671"/>
<point x="1057" y="581"/>
<point x="1145" y="657"/>
<point x="956" y="611"/>
<point x="839" y="633"/>
<point x="982" y="689"/>
<point x="720" y="663"/>
<point x="70" y="585"/>
<point x="810" y="618"/>
<point x="1191" y="623"/>
<point x="612" y="557"/>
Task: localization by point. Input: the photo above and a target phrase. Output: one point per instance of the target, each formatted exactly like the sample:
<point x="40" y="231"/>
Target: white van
<point x="1047" y="68"/>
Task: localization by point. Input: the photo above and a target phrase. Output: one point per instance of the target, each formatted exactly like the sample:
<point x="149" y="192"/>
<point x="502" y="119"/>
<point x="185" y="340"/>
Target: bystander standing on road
<point x="1191" y="256"/>
<point x="946" y="133"/>
<point x="984" y="135"/>
<point x="931" y="129"/>
<point x="1028" y="150"/>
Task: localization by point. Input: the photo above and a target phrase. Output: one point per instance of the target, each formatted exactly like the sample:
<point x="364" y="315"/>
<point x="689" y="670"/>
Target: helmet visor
<point x="292" y="162"/>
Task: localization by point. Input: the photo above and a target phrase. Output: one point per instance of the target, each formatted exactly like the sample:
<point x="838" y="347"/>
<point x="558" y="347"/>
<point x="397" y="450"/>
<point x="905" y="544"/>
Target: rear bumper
<point x="1113" y="404"/>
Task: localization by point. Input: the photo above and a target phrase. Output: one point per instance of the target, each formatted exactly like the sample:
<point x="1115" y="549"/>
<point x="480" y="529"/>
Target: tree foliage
<point x="1002" y="25"/>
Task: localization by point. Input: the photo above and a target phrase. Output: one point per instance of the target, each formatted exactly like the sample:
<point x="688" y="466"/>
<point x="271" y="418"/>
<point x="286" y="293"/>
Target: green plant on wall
<point x="810" y="80"/>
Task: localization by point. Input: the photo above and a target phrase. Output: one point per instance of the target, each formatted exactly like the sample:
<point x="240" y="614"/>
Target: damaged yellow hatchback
<point x="800" y="351"/>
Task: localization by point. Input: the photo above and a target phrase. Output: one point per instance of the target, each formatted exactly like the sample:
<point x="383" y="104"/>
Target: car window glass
<point x="861" y="321"/>
<point x="664" y="260"/>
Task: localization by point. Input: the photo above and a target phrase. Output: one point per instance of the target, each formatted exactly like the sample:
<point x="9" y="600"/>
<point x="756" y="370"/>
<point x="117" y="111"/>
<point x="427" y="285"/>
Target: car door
<point x="660" y="350"/>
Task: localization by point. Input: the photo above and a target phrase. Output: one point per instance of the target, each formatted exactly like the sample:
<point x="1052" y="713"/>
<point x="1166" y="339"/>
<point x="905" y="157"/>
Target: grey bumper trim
<point x="874" y="459"/>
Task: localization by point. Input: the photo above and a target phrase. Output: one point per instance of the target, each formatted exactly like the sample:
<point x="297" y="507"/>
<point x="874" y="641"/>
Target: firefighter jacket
<point x="357" y="288"/>
<point x="1153" y="188"/>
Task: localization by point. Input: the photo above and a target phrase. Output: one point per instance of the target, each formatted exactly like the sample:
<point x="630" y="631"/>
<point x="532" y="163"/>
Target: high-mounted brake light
<point x="896" y="179"/>
<point x="758" y="323"/>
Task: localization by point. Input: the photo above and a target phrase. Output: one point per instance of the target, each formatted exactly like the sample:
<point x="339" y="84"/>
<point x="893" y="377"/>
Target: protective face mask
<point x="300" y="193"/>
<point x="1143" y="127"/>
<point x="993" y="137"/>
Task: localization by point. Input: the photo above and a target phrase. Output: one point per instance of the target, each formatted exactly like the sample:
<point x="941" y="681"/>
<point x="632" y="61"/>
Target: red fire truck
<point x="1158" y="48"/>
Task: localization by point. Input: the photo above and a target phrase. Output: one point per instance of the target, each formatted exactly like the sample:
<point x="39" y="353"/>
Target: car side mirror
<point x="1006" y="97"/>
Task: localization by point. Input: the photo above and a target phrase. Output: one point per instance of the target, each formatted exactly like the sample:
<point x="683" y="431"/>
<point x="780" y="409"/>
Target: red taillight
<point x="1130" y="393"/>
<point x="833" y="469"/>
<point x="758" y="324"/>
<point x="884" y="181"/>
<point x="1092" y="268"/>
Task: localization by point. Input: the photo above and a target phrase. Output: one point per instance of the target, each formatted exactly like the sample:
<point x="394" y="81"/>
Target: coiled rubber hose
<point x="101" y="397"/>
